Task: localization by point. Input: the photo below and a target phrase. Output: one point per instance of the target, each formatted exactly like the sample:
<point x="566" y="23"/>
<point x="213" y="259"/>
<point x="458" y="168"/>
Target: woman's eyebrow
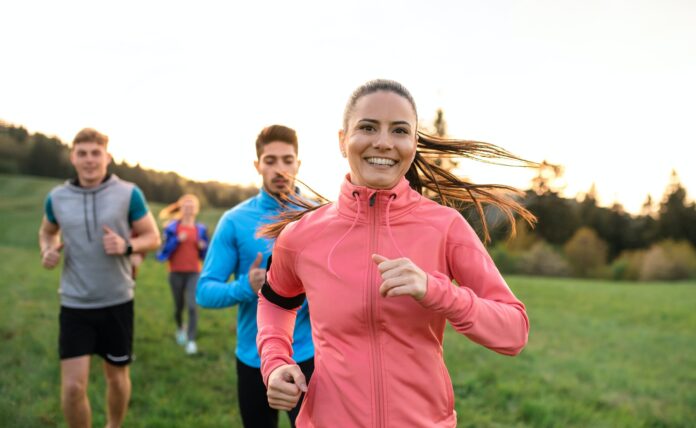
<point x="396" y="122"/>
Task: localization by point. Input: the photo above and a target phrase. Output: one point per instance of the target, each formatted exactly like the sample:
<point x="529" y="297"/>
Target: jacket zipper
<point x="372" y="319"/>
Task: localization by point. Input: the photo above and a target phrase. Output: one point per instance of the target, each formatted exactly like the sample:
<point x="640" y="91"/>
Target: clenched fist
<point x="401" y="277"/>
<point x="114" y="245"/>
<point x="51" y="256"/>
<point x="285" y="386"/>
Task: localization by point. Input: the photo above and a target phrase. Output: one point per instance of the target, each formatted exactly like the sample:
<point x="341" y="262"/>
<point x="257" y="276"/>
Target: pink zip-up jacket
<point x="378" y="360"/>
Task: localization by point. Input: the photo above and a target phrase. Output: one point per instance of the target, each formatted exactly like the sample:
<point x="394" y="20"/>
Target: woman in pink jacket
<point x="377" y="268"/>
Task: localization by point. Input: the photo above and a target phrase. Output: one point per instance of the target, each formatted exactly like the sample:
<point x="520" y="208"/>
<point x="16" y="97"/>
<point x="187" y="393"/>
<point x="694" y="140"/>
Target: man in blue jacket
<point x="236" y="250"/>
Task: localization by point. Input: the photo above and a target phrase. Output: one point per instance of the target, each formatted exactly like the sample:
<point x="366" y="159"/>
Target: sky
<point x="605" y="88"/>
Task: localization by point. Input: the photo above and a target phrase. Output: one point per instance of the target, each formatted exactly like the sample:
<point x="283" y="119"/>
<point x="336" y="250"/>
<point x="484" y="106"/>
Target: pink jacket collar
<point x="393" y="203"/>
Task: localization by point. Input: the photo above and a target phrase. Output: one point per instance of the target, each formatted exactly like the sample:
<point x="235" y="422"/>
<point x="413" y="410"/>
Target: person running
<point x="236" y="250"/>
<point x="185" y="245"/>
<point x="377" y="268"/>
<point x="91" y="219"/>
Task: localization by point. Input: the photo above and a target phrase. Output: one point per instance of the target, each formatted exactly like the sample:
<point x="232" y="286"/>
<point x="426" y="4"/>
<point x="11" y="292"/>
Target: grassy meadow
<point x="600" y="354"/>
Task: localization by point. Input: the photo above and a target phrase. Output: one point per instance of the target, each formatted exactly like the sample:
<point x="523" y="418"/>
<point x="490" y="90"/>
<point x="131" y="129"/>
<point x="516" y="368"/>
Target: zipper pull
<point x="372" y="199"/>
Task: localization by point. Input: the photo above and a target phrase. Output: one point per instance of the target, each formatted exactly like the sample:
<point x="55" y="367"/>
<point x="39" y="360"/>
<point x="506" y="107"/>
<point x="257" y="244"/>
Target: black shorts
<point x="107" y="332"/>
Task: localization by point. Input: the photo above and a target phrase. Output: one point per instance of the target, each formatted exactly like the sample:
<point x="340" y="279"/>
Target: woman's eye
<point x="401" y="131"/>
<point x="367" y="127"/>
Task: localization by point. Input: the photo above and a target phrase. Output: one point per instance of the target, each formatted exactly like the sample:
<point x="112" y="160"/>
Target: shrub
<point x="505" y="260"/>
<point x="586" y="252"/>
<point x="657" y="265"/>
<point x="542" y="259"/>
<point x="669" y="260"/>
<point x="628" y="265"/>
<point x="684" y="254"/>
<point x="524" y="240"/>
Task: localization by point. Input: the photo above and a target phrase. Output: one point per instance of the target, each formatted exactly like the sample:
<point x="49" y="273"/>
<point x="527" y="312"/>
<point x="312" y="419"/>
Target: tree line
<point x="22" y="152"/>
<point x="577" y="237"/>
<point x="573" y="236"/>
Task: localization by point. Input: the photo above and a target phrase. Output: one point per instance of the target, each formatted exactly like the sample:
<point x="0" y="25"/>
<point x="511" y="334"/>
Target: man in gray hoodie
<point x="98" y="221"/>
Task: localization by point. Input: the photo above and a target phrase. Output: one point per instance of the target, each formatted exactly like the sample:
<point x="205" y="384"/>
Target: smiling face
<point x="90" y="160"/>
<point x="276" y="159"/>
<point x="379" y="139"/>
<point x="189" y="206"/>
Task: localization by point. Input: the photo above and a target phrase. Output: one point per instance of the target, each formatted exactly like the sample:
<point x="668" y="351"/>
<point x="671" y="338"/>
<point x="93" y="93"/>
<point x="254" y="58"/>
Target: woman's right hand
<point x="285" y="386"/>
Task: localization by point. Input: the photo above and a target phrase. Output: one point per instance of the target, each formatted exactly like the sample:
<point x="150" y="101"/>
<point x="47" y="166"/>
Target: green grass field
<point x="600" y="354"/>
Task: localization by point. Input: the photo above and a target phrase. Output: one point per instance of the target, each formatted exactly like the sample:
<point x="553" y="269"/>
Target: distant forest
<point x="37" y="154"/>
<point x="573" y="236"/>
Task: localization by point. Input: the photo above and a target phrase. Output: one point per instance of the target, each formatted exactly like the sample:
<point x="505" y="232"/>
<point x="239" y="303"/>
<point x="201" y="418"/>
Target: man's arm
<point x="213" y="290"/>
<point x="147" y="236"/>
<point x="49" y="243"/>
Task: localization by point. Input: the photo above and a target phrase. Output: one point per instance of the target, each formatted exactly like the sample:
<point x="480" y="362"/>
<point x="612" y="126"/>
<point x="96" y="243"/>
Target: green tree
<point x="48" y="157"/>
<point x="558" y="218"/>
<point x="677" y="217"/>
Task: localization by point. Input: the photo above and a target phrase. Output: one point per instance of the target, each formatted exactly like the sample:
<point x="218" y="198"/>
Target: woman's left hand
<point x="401" y="277"/>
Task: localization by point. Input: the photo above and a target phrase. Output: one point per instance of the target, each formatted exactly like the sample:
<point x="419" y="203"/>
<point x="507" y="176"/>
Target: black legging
<point x="253" y="402"/>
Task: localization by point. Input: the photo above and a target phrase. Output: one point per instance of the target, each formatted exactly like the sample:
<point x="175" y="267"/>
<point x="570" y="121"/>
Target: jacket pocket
<point x="309" y="397"/>
<point x="448" y="385"/>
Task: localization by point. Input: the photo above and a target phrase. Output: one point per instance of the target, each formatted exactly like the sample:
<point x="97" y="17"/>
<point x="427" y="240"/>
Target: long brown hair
<point x="425" y="176"/>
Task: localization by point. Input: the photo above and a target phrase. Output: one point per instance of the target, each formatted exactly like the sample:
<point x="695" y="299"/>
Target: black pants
<point x="183" y="285"/>
<point x="253" y="402"/>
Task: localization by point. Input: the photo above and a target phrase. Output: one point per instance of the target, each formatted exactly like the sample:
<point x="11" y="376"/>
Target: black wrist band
<point x="129" y="249"/>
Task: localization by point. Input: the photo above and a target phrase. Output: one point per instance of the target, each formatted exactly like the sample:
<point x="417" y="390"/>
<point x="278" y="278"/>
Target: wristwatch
<point x="129" y="249"/>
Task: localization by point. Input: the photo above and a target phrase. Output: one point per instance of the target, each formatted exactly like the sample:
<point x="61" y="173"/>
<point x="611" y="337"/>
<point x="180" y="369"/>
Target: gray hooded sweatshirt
<point x="91" y="278"/>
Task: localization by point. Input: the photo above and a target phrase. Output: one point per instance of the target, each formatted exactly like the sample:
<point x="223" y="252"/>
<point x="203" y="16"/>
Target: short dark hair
<point x="90" y="135"/>
<point x="274" y="133"/>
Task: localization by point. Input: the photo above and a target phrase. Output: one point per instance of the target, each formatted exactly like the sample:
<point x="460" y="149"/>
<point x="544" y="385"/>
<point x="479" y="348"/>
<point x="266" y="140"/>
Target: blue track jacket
<point x="232" y="251"/>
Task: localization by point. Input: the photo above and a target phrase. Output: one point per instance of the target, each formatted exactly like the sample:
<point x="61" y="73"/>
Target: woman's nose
<point x="382" y="141"/>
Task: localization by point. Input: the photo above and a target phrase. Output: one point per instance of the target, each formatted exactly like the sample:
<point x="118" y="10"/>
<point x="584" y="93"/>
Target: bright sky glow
<point x="605" y="88"/>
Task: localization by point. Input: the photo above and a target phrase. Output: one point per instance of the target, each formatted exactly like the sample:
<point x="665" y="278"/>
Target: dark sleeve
<point x="48" y="210"/>
<point x="138" y="206"/>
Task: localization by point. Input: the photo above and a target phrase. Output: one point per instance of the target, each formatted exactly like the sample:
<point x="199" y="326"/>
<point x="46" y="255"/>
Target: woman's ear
<point x="341" y="144"/>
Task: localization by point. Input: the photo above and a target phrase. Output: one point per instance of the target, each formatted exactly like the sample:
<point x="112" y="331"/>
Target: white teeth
<point x="381" y="161"/>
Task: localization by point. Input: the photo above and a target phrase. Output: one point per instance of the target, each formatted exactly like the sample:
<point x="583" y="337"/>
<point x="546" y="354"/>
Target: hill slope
<point x="599" y="354"/>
